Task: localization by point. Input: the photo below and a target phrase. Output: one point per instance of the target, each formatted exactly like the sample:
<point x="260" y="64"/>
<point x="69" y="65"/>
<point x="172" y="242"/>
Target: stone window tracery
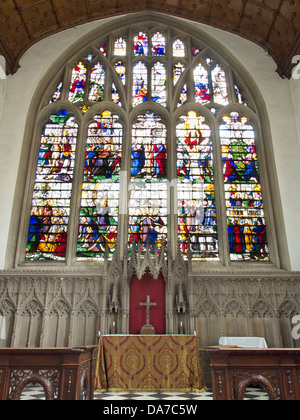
<point x="150" y="140"/>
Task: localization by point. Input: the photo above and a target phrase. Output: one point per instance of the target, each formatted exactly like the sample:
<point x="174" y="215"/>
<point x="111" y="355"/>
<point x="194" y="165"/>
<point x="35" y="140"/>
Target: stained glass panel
<point x="98" y="223"/>
<point x="149" y="75"/>
<point x="245" y="211"/>
<point x="177" y="72"/>
<point x="103" y="50"/>
<point x="78" y="81"/>
<point x="141" y="44"/>
<point x="50" y="211"/>
<point x="183" y="96"/>
<point x="209" y="60"/>
<point x="195" y="51"/>
<point x="197" y="224"/>
<point x="178" y="48"/>
<point x="202" y="94"/>
<point x="97" y="81"/>
<point x="115" y="97"/>
<point x="140" y="84"/>
<point x="148" y="186"/>
<point x="158" y="82"/>
<point x="158" y="44"/>
<point x="239" y="96"/>
<point x="120" y="47"/>
<point x="56" y="95"/>
<point x="89" y="57"/>
<point x="219" y="86"/>
<point x="120" y="70"/>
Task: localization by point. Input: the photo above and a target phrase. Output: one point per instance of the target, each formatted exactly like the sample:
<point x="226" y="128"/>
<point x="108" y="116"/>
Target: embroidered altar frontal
<point x="148" y="363"/>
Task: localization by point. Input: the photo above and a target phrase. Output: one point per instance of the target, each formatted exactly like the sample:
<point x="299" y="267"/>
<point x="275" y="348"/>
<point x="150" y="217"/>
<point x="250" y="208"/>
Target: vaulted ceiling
<point x="272" y="24"/>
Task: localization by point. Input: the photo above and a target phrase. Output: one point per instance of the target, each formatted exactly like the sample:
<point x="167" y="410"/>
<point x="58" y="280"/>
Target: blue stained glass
<point x="48" y="227"/>
<point x="56" y="95"/>
<point x="197" y="223"/>
<point x="245" y="211"/>
<point x="148" y="186"/>
<point x="121" y="70"/>
<point x="98" y="224"/>
<point x="141" y="44"/>
<point x="202" y="94"/>
<point x="158" y="44"/>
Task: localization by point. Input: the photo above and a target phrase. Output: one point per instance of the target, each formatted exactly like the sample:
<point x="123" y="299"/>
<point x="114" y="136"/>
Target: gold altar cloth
<point x="148" y="363"/>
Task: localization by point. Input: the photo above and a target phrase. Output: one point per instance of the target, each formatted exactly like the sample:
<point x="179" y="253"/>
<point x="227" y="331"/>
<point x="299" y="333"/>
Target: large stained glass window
<point x="197" y="222"/>
<point x="162" y="154"/>
<point x="98" y="224"/>
<point x="245" y="210"/>
<point x="50" y="211"/>
<point x="148" y="202"/>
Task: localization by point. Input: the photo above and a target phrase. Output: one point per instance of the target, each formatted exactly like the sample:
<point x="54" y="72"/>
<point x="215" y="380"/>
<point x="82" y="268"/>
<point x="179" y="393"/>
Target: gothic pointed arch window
<point x="151" y="137"/>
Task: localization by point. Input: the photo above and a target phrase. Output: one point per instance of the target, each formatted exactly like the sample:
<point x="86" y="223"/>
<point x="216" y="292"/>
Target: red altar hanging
<point x="148" y="363"/>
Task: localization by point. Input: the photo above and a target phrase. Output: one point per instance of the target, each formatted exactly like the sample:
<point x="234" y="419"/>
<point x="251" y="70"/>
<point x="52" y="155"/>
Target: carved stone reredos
<point x="142" y="261"/>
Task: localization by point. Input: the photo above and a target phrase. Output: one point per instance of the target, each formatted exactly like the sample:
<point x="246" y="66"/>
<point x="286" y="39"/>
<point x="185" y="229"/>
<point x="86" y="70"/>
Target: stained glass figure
<point x="121" y="70"/>
<point x="195" y="51"/>
<point x="148" y="185"/>
<point x="50" y="211"/>
<point x="209" y="60"/>
<point x="197" y="224"/>
<point x="177" y="72"/>
<point x="89" y="57"/>
<point x="158" y="44"/>
<point x="103" y="50"/>
<point x="245" y="212"/>
<point x="120" y="47"/>
<point x="97" y="81"/>
<point x="115" y="97"/>
<point x="100" y="189"/>
<point x="158" y="84"/>
<point x="78" y="81"/>
<point x="141" y="44"/>
<point x="239" y="96"/>
<point x="219" y="86"/>
<point x="202" y="93"/>
<point x="158" y="68"/>
<point x="56" y="95"/>
<point x="178" y="48"/>
<point x="183" y="96"/>
<point x="140" y="84"/>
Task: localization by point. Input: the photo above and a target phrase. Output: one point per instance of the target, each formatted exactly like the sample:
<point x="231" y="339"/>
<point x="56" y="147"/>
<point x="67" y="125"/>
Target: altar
<point x="152" y="363"/>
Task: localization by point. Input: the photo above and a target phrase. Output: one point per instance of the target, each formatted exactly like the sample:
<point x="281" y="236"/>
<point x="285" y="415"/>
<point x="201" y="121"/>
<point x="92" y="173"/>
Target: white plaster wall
<point x="295" y="90"/>
<point x="282" y="98"/>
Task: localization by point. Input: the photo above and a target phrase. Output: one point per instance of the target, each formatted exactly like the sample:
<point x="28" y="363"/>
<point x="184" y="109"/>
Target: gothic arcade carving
<point x="69" y="310"/>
